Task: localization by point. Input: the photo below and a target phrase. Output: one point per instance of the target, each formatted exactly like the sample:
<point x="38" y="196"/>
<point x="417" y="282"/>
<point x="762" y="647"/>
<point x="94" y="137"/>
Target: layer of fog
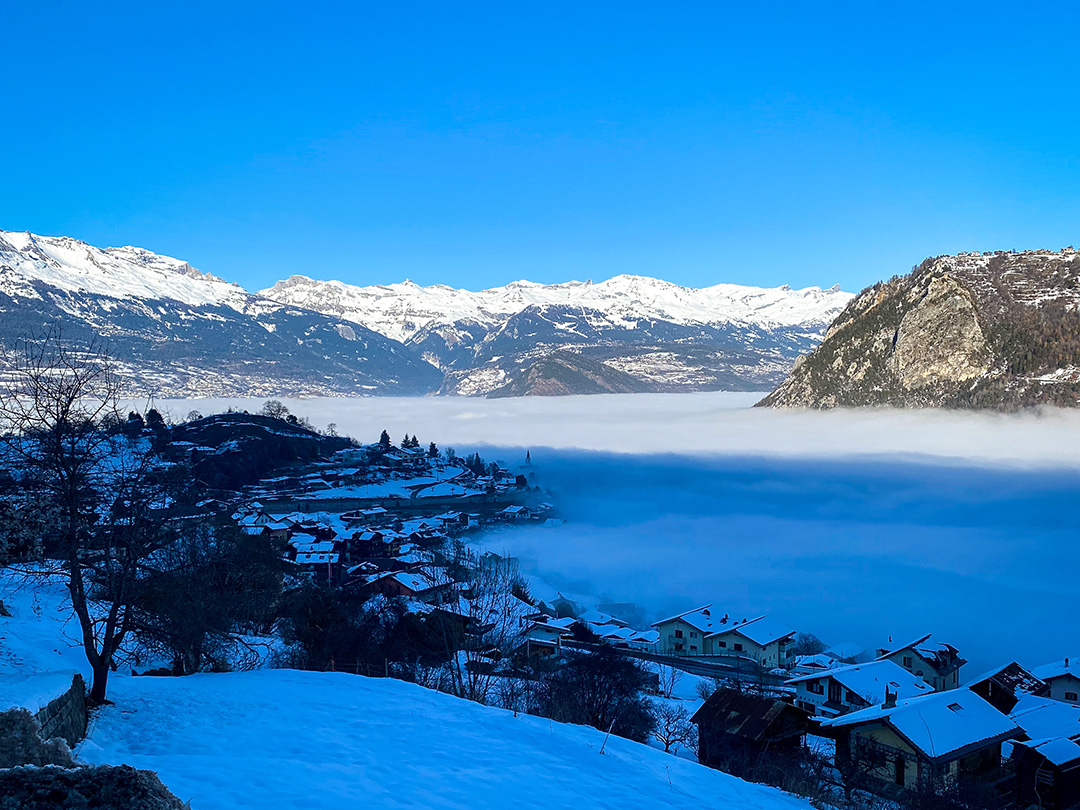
<point x="690" y="423"/>
<point x="855" y="525"/>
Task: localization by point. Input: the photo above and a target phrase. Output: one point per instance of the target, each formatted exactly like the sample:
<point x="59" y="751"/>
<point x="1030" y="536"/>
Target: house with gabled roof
<point x="1005" y="685"/>
<point x="932" y="742"/>
<point x="934" y="661"/>
<point x="733" y="725"/>
<point x="1063" y="678"/>
<point x="854" y="687"/>
<point x="764" y="640"/>
<point x="684" y="633"/>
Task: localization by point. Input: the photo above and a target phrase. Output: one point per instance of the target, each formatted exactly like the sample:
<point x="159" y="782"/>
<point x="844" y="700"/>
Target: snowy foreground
<point x="284" y="739"/>
<point x="287" y="739"/>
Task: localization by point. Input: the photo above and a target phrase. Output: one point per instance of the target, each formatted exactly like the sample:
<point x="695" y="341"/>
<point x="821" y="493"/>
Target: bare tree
<point x="673" y="727"/>
<point x="669" y="677"/>
<point x="107" y="492"/>
<point x="275" y="409"/>
<point x="484" y="621"/>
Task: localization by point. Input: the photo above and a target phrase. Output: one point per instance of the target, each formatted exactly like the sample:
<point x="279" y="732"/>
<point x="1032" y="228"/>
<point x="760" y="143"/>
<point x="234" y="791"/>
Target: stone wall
<point x="66" y="716"/>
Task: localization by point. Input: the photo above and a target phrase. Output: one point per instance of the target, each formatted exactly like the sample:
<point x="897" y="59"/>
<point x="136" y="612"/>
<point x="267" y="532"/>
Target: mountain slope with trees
<point x="978" y="330"/>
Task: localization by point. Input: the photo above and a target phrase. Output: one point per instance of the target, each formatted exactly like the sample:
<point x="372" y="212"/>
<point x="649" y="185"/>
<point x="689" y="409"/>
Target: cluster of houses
<point x="905" y="721"/>
<point x="551" y="626"/>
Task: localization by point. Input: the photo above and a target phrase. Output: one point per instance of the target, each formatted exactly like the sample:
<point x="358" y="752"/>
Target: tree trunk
<point x="101" y="678"/>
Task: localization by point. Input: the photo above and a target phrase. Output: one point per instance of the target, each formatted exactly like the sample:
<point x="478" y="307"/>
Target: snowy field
<point x="286" y="739"/>
<point x="855" y="525"/>
<point x="305" y="741"/>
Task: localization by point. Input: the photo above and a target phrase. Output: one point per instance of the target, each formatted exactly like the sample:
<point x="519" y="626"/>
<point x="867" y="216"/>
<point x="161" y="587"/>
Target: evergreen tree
<point x="384" y="440"/>
<point x="432" y="450"/>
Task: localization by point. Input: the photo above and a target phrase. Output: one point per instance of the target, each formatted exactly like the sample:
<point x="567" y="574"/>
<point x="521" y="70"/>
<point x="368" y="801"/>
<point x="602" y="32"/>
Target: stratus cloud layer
<point x="695" y="423"/>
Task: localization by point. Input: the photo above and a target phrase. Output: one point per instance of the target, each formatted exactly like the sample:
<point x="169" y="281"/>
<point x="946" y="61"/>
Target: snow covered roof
<point x="599" y="617"/>
<point x="870" y="681"/>
<point x="820" y="661"/>
<point x="945" y="657"/>
<point x="1059" y="751"/>
<point x="942" y="725"/>
<point x="1043" y="717"/>
<point x="848" y="649"/>
<point x="700" y="618"/>
<point x="1058" y="669"/>
<point x="316" y="547"/>
<point x="762" y="630"/>
<point x="1013" y="676"/>
<point x="308" y="558"/>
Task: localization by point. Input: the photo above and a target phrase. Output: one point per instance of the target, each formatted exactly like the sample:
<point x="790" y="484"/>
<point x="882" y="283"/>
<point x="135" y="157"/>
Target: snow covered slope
<point x="629" y="333"/>
<point x="401" y="311"/>
<point x="177" y="331"/>
<point x="180" y="332"/>
<point x="284" y="739"/>
<point x="287" y="739"/>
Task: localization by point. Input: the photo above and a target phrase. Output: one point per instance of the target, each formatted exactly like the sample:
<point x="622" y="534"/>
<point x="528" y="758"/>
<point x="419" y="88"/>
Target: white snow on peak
<point x="401" y="310"/>
<point x="116" y="272"/>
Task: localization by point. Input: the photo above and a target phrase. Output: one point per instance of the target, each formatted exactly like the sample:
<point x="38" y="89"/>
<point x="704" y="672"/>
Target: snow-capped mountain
<point x="625" y="334"/>
<point x="178" y="332"/>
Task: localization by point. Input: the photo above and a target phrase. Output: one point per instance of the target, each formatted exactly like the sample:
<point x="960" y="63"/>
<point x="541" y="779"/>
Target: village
<point x="900" y="722"/>
<point x="390" y="536"/>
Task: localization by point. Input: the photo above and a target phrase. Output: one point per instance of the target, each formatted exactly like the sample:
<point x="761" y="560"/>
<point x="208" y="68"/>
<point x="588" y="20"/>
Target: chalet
<point x="374" y="544"/>
<point x="764" y="640"/>
<point x="375" y="515"/>
<point x="814" y="664"/>
<point x="453" y="521"/>
<point x="1063" y="678"/>
<point x="935" y="662"/>
<point x="685" y="633"/>
<point x="543" y="639"/>
<point x="734" y="726"/>
<point x="928" y="743"/>
<point x="411" y="586"/>
<point x="854" y="687"/>
<point x="320" y="565"/>
<point x="1003" y="687"/>
<point x="1048" y="773"/>
<point x="514" y="513"/>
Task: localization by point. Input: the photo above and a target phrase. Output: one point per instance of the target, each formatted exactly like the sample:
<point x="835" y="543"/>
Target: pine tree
<point x="384" y="439"/>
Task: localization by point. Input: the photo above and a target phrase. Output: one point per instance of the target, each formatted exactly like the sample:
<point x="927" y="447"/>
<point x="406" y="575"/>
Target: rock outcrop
<point x="103" y="787"/>
<point x="997" y="330"/>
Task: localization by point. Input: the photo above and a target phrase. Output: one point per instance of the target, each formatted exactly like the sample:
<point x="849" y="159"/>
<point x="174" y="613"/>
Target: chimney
<point x="890" y="699"/>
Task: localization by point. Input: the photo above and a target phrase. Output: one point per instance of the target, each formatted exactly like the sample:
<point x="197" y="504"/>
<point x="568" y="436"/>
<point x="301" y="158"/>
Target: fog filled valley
<point x="858" y="526"/>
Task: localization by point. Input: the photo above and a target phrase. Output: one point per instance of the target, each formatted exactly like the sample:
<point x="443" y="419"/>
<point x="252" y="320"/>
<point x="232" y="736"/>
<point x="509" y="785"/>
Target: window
<point x="955" y="707"/>
<point x="834" y="692"/>
<point x="722" y="644"/>
<point x="852" y="698"/>
<point x="815" y="687"/>
<point x="738" y="647"/>
<point x="1071" y="696"/>
<point x="678" y="634"/>
<point x="693" y="634"/>
<point x="693" y="648"/>
<point x="908" y="662"/>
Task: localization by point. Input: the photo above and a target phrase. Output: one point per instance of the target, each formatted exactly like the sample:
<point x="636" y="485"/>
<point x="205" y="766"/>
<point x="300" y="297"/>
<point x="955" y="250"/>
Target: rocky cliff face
<point x="997" y="330"/>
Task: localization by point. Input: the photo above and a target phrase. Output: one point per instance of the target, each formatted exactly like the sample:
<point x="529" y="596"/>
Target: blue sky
<point x="474" y="144"/>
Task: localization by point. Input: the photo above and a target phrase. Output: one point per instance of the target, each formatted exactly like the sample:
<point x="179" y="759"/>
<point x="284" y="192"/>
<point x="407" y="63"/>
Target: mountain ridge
<point x="179" y="331"/>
